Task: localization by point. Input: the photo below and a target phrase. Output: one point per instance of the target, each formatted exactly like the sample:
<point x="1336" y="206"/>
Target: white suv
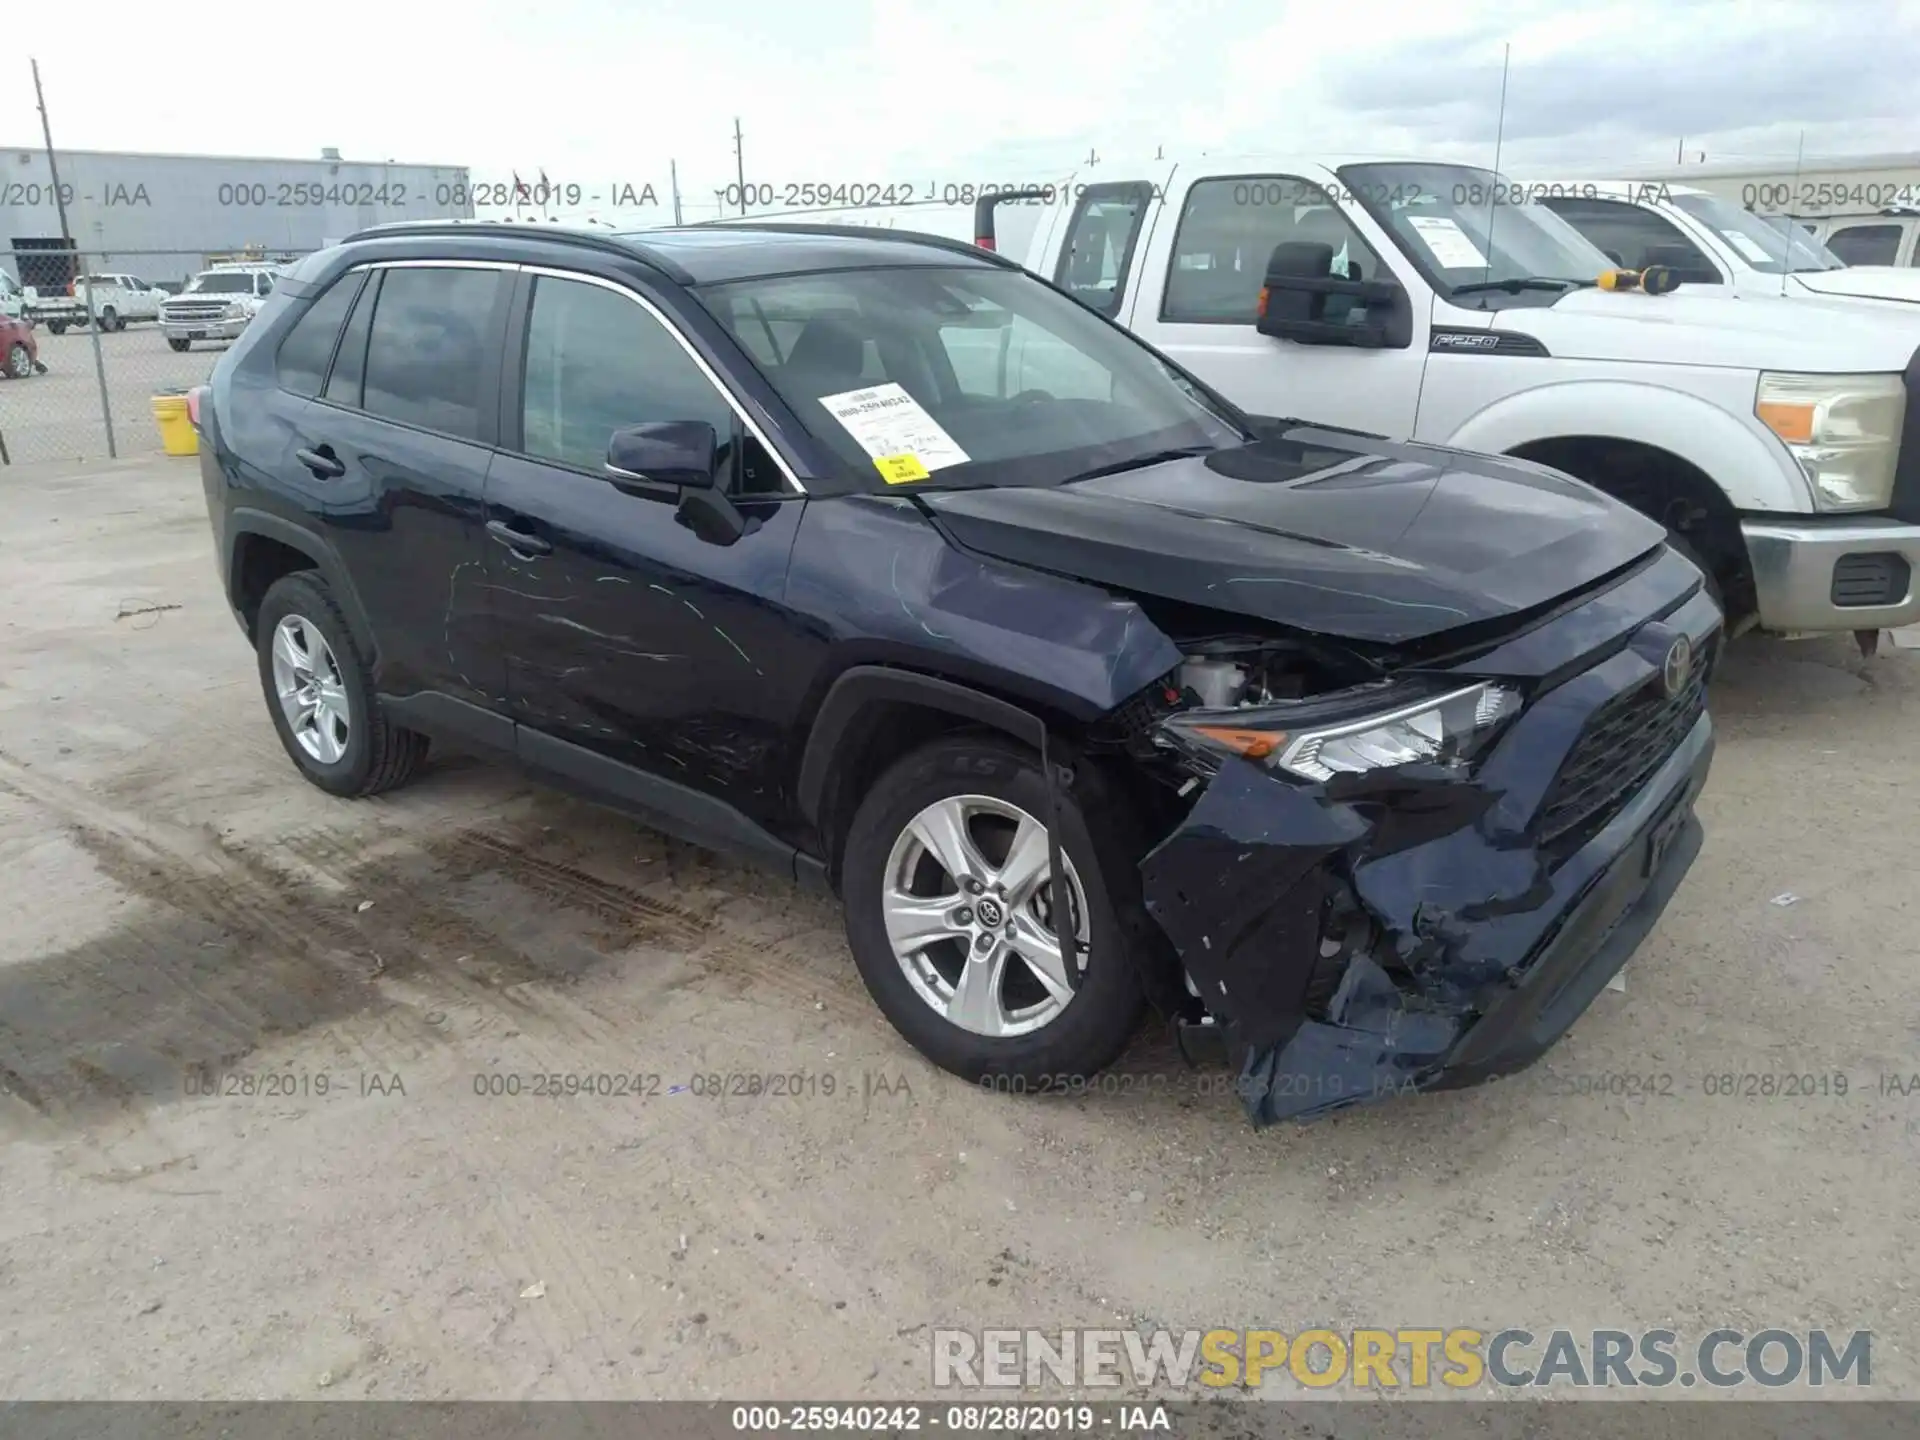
<point x="218" y="305"/>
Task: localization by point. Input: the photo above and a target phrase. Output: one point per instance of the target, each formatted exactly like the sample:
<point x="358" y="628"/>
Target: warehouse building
<point x="168" y="216"/>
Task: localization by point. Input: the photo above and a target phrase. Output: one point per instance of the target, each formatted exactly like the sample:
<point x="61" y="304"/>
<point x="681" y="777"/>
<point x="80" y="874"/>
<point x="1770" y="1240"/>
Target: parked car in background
<point x="1890" y="238"/>
<point x="218" y="305"/>
<point x="13" y="299"/>
<point x="1778" y="444"/>
<point x="116" y="298"/>
<point x="19" y="351"/>
<point x="1707" y="240"/>
<point x="1375" y="760"/>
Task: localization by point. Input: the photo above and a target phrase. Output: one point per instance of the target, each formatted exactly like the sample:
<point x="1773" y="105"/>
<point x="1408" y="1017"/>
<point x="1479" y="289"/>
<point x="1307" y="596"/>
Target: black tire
<point x="1686" y="547"/>
<point x="109" y="321"/>
<point x="379" y="755"/>
<point x="58" y="327"/>
<point x="19" y="362"/>
<point x="1096" y="1023"/>
<point x="179" y="344"/>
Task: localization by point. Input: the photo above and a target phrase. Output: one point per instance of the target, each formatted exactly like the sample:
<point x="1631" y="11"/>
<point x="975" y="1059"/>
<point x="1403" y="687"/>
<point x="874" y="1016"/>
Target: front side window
<point x="1098" y="253"/>
<point x="1228" y="228"/>
<point x="1473" y="233"/>
<point x="1866" y="244"/>
<point x="427" y="349"/>
<point x="1631" y="236"/>
<point x="596" y="363"/>
<point x="998" y="379"/>
<point x="302" y="361"/>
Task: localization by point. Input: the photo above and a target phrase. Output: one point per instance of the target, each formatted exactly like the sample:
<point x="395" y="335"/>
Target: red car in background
<point x="19" y="351"/>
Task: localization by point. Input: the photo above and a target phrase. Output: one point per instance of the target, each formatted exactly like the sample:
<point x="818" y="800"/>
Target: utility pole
<point x="740" y="165"/>
<point x="1680" y="152"/>
<point x="673" y="171"/>
<point x="53" y="167"/>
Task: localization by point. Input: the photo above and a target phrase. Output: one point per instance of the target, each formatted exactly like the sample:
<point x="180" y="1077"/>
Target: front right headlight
<point x="1843" y="429"/>
<point x="235" y="310"/>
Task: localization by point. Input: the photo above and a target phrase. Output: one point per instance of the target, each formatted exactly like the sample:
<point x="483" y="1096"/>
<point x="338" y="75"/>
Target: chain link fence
<point x="78" y="379"/>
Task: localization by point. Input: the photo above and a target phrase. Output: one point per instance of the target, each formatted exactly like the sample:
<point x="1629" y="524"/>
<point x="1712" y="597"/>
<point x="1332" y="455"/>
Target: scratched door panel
<point x="635" y="638"/>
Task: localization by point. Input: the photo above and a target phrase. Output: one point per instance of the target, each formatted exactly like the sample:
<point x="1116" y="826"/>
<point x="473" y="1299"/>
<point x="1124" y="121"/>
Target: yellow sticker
<point x="900" y="469"/>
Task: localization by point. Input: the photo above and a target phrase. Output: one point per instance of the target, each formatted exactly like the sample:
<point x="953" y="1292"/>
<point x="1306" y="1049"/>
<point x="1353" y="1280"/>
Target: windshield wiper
<point x="1140" y="462"/>
<point x="1519" y="283"/>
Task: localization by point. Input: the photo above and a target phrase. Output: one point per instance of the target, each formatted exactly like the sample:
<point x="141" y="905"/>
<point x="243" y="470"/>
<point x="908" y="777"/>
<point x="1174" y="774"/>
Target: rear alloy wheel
<point x="19" y="363"/>
<point x="320" y="693"/>
<point x="954" y="918"/>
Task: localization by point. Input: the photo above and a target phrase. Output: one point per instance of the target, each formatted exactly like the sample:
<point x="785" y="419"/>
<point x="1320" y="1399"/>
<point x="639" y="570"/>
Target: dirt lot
<point x="177" y="898"/>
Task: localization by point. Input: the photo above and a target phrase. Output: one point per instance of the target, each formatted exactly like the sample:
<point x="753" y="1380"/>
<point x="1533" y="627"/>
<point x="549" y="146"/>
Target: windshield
<point x="962" y="377"/>
<point x="1463" y="226"/>
<point x="1771" y="246"/>
<point x="222" y="282"/>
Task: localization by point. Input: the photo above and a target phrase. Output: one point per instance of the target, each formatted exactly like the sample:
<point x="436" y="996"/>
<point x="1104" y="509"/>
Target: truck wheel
<point x="19" y="363"/>
<point x="58" y="327"/>
<point x="110" y="321"/>
<point x="179" y="344"/>
<point x="320" y="693"/>
<point x="951" y="916"/>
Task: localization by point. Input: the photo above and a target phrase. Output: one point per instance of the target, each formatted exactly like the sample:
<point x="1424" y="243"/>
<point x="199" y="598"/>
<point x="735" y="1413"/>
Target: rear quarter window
<point x="301" y="365"/>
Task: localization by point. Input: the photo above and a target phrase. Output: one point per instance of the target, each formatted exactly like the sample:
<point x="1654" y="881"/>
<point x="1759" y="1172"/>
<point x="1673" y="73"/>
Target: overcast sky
<point x="603" y="93"/>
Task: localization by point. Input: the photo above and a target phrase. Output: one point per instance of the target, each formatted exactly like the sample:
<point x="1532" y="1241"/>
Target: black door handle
<point x="518" y="540"/>
<point x="322" y="462"/>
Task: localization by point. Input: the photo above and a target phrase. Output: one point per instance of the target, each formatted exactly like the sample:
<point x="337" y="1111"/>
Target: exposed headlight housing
<point x="1346" y="734"/>
<point x="1843" y="429"/>
<point x="235" y="310"/>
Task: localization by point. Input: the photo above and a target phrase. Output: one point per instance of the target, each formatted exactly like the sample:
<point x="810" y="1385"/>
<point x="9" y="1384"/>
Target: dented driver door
<point x="632" y="645"/>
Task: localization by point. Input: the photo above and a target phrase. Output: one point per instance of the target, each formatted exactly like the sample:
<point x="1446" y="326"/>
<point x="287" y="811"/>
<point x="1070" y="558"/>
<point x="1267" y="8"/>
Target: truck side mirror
<point x="1303" y="301"/>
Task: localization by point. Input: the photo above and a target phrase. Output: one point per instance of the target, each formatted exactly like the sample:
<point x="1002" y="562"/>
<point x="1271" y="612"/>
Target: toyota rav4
<point x="878" y="558"/>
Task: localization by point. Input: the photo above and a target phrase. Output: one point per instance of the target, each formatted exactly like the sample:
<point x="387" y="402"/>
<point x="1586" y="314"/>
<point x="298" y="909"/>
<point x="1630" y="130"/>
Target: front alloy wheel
<point x="313" y="694"/>
<point x="970" y="912"/>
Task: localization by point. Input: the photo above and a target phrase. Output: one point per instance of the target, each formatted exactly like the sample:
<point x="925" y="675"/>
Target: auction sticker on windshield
<point x="906" y="443"/>
<point x="1448" y="242"/>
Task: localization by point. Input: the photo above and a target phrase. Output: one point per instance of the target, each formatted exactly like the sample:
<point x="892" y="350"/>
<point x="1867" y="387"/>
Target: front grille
<point x="1880" y="578"/>
<point x="201" y="311"/>
<point x="1627" y="739"/>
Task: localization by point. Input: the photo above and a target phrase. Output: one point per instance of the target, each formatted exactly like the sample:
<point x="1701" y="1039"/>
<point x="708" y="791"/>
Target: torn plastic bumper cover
<point x="1467" y="951"/>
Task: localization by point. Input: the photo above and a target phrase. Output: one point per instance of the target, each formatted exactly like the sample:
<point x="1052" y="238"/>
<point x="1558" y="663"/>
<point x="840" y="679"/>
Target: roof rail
<point x="586" y="239"/>
<point x="866" y="232"/>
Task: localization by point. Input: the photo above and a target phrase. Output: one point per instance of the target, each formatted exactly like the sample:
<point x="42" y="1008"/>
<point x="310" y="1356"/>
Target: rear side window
<point x="302" y="361"/>
<point x="1101" y="237"/>
<point x="1866" y="244"/>
<point x="427" y="350"/>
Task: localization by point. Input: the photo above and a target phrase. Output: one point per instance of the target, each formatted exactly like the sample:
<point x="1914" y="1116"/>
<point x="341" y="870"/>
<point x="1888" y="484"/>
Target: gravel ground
<point x="177" y="898"/>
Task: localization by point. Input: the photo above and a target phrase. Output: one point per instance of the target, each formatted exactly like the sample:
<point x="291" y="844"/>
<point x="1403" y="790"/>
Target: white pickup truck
<point x="217" y="304"/>
<point x="1708" y="240"/>
<point x="115" y="297"/>
<point x="1779" y="443"/>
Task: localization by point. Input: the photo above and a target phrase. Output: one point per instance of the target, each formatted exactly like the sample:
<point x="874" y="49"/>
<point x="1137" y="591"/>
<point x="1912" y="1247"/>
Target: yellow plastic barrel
<point x="176" y="427"/>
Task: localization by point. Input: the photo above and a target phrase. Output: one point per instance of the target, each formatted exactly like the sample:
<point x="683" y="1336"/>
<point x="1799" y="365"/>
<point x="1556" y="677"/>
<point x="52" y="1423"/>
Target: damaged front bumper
<point x="1416" y="929"/>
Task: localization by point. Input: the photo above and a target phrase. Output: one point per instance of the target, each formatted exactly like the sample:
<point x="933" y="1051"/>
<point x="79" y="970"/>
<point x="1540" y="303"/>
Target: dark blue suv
<point x="878" y="558"/>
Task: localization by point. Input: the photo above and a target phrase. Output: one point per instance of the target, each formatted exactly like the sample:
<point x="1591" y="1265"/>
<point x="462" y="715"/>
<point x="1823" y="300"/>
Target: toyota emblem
<point x="1678" y="666"/>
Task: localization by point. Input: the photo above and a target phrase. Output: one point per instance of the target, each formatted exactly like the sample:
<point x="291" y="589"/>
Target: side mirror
<point x="1302" y="300"/>
<point x="684" y="453"/>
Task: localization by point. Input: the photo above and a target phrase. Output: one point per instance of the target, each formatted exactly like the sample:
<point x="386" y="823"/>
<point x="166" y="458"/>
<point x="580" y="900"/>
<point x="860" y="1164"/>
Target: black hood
<point x="1322" y="530"/>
